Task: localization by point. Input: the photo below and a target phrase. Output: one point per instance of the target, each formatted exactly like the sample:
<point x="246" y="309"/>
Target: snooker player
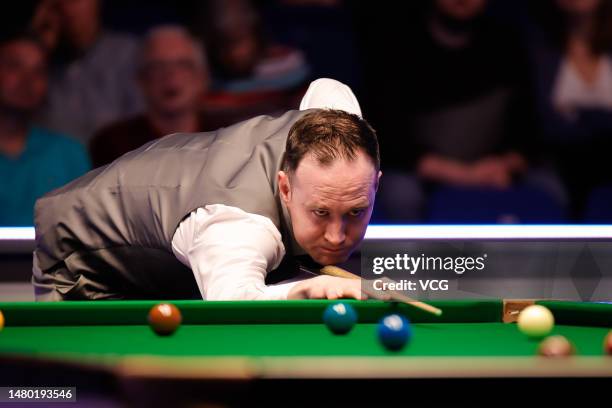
<point x="217" y="215"/>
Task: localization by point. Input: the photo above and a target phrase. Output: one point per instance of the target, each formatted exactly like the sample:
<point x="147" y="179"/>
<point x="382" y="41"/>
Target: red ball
<point x="607" y="345"/>
<point x="556" y="346"/>
<point x="165" y="318"/>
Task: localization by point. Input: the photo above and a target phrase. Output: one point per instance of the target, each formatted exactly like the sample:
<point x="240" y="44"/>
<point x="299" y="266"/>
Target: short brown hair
<point x="330" y="134"/>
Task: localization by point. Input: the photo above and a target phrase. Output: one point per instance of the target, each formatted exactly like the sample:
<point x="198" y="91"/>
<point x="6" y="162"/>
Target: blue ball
<point x="340" y="318"/>
<point x="394" y="331"/>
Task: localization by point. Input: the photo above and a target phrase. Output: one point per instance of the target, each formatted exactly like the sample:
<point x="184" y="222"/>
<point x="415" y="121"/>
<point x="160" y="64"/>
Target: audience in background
<point x="92" y="78"/>
<point x="45" y="22"/>
<point x="457" y="111"/>
<point x="457" y="99"/>
<point x="324" y="31"/>
<point x="471" y="129"/>
<point x="250" y="74"/>
<point x="241" y="55"/>
<point x="173" y="76"/>
<point x="33" y="160"/>
<point x="572" y="63"/>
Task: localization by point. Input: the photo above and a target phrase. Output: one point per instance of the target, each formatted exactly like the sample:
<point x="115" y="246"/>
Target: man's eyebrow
<point x="315" y="204"/>
<point x="362" y="204"/>
<point x="320" y="204"/>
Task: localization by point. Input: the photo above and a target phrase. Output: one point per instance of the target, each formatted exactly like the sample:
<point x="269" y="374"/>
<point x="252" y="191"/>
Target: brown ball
<point x="607" y="345"/>
<point x="556" y="346"/>
<point x="164" y="318"/>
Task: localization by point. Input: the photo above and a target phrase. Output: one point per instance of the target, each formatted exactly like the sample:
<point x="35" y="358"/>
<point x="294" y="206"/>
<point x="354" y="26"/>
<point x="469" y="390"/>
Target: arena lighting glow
<point x="493" y="231"/>
<point x="429" y="232"/>
<point x="16" y="233"/>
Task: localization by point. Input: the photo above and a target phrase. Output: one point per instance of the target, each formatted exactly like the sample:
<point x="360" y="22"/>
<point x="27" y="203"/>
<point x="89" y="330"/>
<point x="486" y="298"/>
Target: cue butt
<point x="332" y="270"/>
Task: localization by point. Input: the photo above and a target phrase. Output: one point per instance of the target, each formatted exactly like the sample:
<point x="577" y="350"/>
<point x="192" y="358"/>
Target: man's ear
<point x="377" y="181"/>
<point x="284" y="186"/>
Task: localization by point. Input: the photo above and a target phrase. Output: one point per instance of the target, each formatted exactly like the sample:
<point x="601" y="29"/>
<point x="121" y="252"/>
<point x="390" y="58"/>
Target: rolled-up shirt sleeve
<point x="230" y="252"/>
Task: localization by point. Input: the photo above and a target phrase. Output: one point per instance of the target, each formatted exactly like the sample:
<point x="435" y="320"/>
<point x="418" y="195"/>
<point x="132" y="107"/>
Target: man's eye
<point x="320" y="213"/>
<point x="357" y="213"/>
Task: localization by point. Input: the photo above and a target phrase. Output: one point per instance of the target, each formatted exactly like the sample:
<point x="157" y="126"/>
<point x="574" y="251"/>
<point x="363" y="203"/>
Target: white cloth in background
<point x="330" y="94"/>
<point x="571" y="92"/>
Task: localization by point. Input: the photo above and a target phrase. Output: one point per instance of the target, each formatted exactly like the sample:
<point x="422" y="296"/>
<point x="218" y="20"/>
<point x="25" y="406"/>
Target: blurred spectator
<point x="465" y="133"/>
<point x="173" y="76"/>
<point x="30" y="15"/>
<point x="572" y="63"/>
<point x="45" y="23"/>
<point x="250" y="75"/>
<point x="242" y="58"/>
<point x="33" y="160"/>
<point x="457" y="110"/>
<point x="323" y="30"/>
<point x="93" y="72"/>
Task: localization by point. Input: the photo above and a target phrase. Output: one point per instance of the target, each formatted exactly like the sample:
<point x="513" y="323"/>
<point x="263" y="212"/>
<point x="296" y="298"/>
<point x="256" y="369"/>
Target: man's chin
<point x="331" y="259"/>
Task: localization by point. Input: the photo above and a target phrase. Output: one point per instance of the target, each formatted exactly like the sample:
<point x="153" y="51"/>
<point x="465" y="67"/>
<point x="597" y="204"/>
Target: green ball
<point x="340" y="318"/>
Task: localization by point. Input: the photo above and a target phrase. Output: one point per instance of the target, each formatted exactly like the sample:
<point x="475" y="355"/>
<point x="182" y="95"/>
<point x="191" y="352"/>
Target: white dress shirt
<point x="229" y="250"/>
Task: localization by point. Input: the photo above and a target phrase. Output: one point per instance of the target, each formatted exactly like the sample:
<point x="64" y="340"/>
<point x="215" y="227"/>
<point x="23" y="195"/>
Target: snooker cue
<point x="396" y="296"/>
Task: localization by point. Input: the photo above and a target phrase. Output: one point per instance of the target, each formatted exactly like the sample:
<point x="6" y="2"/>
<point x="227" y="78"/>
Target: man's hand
<point x="516" y="162"/>
<point x="489" y="172"/>
<point x="327" y="287"/>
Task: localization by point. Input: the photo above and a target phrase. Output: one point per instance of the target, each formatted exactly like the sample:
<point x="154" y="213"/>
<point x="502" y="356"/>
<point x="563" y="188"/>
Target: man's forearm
<point x="252" y="291"/>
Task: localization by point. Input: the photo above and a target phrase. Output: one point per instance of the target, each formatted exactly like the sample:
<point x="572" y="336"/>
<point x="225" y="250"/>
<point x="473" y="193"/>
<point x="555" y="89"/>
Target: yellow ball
<point x="536" y="321"/>
<point x="1" y="320"/>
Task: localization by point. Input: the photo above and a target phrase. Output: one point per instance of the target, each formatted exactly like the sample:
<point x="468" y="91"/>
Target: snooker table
<point x="244" y="353"/>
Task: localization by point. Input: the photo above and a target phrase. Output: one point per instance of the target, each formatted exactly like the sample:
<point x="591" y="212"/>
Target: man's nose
<point x="335" y="233"/>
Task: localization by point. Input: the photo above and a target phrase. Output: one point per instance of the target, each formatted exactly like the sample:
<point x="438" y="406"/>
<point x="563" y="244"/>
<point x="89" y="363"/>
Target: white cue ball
<point x="536" y="321"/>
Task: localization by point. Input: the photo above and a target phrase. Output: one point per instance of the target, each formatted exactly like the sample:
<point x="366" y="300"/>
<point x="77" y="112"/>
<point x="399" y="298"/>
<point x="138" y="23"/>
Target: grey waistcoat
<point x="109" y="233"/>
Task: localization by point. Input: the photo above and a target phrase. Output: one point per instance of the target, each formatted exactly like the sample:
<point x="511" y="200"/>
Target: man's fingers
<point x="317" y="293"/>
<point x="355" y="293"/>
<point x="332" y="293"/>
<point x="331" y="287"/>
